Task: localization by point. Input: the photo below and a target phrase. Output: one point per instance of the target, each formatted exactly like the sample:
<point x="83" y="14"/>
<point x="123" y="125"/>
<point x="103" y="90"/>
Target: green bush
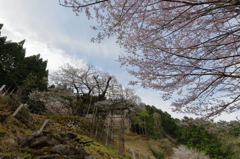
<point x="158" y="154"/>
<point x="196" y="136"/>
<point x="155" y="123"/>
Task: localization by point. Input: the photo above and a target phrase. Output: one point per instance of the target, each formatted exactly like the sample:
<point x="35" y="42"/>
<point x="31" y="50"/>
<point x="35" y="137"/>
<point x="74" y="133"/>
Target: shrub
<point x="158" y="154"/>
<point x="183" y="152"/>
<point x="37" y="107"/>
<point x="196" y="136"/>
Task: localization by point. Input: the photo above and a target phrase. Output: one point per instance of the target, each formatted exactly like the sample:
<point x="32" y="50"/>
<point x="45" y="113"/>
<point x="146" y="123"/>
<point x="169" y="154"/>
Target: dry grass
<point x="142" y="145"/>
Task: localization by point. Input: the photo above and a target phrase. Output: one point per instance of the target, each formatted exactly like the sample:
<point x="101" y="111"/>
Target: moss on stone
<point x="27" y="156"/>
<point x="36" y="152"/>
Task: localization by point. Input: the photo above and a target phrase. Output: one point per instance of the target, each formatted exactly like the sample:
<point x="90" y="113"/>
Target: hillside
<point x="24" y="135"/>
<point x="21" y="137"/>
<point x="14" y="131"/>
<point x="15" y="134"/>
<point x="142" y="146"/>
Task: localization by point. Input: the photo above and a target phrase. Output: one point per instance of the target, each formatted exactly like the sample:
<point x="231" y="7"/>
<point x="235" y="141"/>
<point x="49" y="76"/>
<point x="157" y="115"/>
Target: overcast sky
<point x="62" y="37"/>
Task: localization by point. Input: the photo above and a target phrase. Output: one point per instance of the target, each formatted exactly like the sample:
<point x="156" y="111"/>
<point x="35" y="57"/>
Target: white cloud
<point x="56" y="57"/>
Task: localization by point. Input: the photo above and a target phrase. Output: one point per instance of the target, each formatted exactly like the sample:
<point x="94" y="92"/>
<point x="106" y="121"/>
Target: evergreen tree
<point x="196" y="135"/>
<point x="155" y="123"/>
<point x="35" y="67"/>
<point x="16" y="70"/>
<point x="166" y="122"/>
<point x="11" y="56"/>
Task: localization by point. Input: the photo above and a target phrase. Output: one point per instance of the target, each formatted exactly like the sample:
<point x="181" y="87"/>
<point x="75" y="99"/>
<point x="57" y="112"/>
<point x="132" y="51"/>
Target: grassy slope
<point x="15" y="129"/>
<point x="142" y="145"/>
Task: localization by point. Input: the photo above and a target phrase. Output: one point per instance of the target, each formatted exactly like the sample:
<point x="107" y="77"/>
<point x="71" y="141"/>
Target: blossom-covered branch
<point x="188" y="49"/>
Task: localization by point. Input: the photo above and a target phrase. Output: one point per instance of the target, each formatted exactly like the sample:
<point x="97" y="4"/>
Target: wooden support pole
<point x="16" y="111"/>
<point x="133" y="154"/>
<point x="43" y="125"/>
<point x="12" y="90"/>
<point x="6" y="91"/>
<point x="2" y="87"/>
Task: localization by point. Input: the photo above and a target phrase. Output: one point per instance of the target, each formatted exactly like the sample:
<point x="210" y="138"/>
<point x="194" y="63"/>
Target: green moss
<point x="3" y="133"/>
<point x="37" y="152"/>
<point x="16" y="123"/>
<point x="83" y="137"/>
<point x="100" y="151"/>
<point x="5" y="156"/>
<point x="2" y="146"/>
<point x="27" y="156"/>
<point x="2" y="107"/>
<point x="45" y="150"/>
<point x="73" y="123"/>
<point x="88" y="144"/>
<point x="57" y="137"/>
<point x="14" y="131"/>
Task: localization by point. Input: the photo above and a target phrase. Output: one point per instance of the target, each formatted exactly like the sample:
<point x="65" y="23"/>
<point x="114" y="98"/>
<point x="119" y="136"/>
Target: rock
<point x="68" y="135"/>
<point x="10" y="142"/>
<point x="43" y="141"/>
<point x="30" y="138"/>
<point x="46" y="132"/>
<point x="69" y="150"/>
<point x="39" y="140"/>
<point x="20" y="139"/>
<point x="59" y="149"/>
<point x="73" y="150"/>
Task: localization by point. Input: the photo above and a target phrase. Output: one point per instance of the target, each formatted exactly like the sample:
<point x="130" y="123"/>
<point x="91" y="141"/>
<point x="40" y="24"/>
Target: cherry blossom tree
<point x="89" y="85"/>
<point x="84" y="82"/>
<point x="188" y="49"/>
<point x="58" y="100"/>
<point x="126" y="97"/>
<point x="133" y="100"/>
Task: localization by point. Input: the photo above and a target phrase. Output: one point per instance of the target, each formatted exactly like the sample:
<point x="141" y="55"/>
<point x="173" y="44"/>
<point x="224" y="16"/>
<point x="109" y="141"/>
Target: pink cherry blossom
<point x="187" y="49"/>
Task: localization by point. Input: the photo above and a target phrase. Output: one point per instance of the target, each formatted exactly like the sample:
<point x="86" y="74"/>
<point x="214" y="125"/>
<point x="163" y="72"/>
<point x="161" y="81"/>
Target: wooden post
<point x="16" y="111"/>
<point x="6" y="91"/>
<point x="121" y="135"/>
<point x="133" y="154"/>
<point x="12" y="90"/>
<point x="108" y="126"/>
<point x="2" y="87"/>
<point x="43" y="125"/>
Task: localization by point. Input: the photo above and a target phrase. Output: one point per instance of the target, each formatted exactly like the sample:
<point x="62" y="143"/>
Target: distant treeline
<point x="218" y="140"/>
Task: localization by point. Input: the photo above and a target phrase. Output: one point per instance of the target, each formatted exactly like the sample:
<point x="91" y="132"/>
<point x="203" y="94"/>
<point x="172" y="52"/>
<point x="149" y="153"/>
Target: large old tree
<point x="188" y="49"/>
<point x="89" y="85"/>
